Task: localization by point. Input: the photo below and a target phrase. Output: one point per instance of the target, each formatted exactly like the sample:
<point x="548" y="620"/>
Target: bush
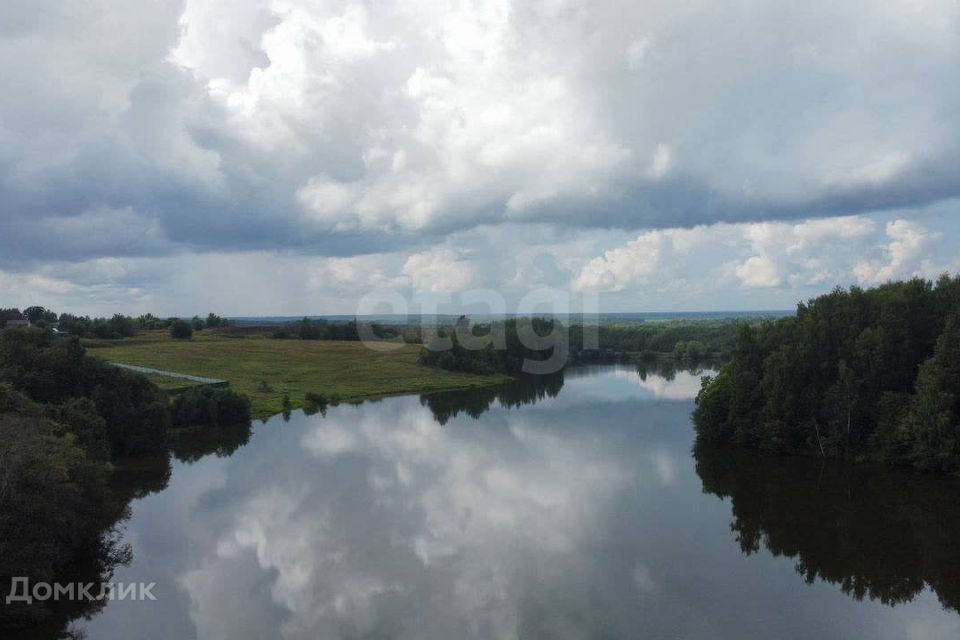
<point x="180" y="330"/>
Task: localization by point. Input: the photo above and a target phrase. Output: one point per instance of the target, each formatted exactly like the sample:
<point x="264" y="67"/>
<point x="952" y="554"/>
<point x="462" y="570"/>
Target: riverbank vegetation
<point x="688" y="341"/>
<point x="515" y="346"/>
<point x="858" y="374"/>
<point x="65" y="420"/>
<point x="504" y="346"/>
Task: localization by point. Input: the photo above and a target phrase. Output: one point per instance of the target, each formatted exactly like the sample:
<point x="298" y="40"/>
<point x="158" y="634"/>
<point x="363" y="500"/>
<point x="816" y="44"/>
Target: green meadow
<point x="265" y="369"/>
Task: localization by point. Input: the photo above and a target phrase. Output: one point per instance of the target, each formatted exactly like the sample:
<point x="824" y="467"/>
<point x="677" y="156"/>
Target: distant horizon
<point x="626" y="314"/>
<point x="705" y="313"/>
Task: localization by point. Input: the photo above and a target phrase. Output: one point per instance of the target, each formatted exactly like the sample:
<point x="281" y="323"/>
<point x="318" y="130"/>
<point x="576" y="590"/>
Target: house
<point x="17" y="322"/>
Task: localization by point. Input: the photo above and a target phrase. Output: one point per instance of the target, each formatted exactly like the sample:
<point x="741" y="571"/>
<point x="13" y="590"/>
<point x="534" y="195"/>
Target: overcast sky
<point x="283" y="157"/>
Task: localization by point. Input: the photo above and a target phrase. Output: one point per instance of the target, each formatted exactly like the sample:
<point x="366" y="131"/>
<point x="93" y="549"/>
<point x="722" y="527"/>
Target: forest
<point x="66" y="420"/>
<point x="688" y="341"/>
<point x="859" y="374"/>
<point x="502" y="347"/>
<point x="514" y="346"/>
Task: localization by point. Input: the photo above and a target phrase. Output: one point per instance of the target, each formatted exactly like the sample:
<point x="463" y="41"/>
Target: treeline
<point x="683" y="340"/>
<point x="502" y="347"/>
<point x="65" y="417"/>
<point x="308" y="329"/>
<point x="858" y="374"/>
<point x="322" y="329"/>
<point x="522" y="345"/>
<point x="114" y="328"/>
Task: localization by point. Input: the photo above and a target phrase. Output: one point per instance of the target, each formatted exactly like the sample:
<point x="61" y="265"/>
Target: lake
<point x="570" y="507"/>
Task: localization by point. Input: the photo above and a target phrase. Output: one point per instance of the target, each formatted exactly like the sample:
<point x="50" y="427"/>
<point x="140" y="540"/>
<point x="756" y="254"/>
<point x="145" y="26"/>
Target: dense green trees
<point x="114" y="328"/>
<point x="310" y="329"/>
<point x="54" y="499"/>
<point x="465" y="347"/>
<point x="108" y="403"/>
<point x="932" y="424"/>
<point x="9" y="314"/>
<point x="64" y="418"/>
<point x="214" y="321"/>
<point x="685" y="340"/>
<point x="859" y="374"/>
<point x="205" y="406"/>
<point x="39" y="315"/>
<point x="522" y="345"/>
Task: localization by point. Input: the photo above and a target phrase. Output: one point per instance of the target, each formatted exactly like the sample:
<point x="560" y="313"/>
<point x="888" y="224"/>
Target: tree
<point x="931" y="426"/>
<point x="859" y="374"/>
<point x="308" y="330"/>
<point x="35" y="314"/>
<point x="181" y="330"/>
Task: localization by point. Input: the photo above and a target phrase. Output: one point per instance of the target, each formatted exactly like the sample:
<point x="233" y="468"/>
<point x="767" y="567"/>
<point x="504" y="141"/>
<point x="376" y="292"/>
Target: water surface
<point x="569" y="508"/>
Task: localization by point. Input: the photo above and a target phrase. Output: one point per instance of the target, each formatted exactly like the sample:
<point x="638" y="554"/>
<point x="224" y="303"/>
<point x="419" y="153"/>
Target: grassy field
<point x="264" y="369"/>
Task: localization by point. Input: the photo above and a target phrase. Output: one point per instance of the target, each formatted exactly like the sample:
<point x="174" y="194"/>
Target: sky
<point x="287" y="157"/>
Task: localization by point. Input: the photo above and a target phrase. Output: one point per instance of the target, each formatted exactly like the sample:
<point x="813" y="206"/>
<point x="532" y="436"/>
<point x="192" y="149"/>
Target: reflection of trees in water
<point x="96" y="561"/>
<point x="530" y="389"/>
<point x="93" y="561"/>
<point x="190" y="445"/>
<point x="135" y="478"/>
<point x="524" y="390"/>
<point x="878" y="533"/>
<point x="669" y="368"/>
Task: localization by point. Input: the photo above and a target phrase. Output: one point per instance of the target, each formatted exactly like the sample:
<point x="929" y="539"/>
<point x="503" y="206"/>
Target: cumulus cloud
<point x="799" y="249"/>
<point x="905" y="253"/>
<point x="820" y="252"/>
<point x="270" y="123"/>
<point x="455" y="505"/>
<point x="438" y="271"/>
<point x="758" y="271"/>
<point x="638" y="260"/>
<point x="336" y="129"/>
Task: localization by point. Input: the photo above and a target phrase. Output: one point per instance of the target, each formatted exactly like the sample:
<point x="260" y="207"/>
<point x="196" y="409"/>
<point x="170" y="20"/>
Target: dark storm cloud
<point x="156" y="128"/>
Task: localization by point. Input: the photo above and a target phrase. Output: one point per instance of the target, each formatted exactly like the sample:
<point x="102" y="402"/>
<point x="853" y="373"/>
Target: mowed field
<point x="264" y="369"/>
